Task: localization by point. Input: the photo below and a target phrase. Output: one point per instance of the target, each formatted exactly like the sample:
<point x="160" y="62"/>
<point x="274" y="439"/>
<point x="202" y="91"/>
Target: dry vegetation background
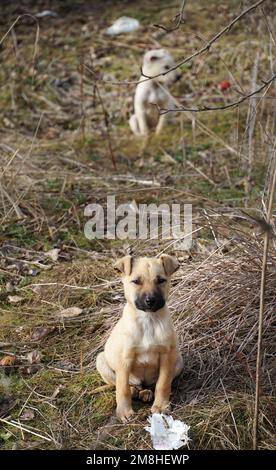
<point x="61" y="128"/>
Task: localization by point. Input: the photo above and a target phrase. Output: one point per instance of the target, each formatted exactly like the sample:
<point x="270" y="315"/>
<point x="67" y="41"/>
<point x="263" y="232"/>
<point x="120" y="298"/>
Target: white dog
<point x="152" y="92"/>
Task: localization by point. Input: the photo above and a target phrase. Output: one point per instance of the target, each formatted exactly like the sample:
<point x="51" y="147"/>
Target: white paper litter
<point x="167" y="433"/>
<point x="125" y="24"/>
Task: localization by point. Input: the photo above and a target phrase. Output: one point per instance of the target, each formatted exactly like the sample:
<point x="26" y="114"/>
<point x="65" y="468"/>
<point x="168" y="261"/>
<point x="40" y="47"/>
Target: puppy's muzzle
<point x="150" y="302"/>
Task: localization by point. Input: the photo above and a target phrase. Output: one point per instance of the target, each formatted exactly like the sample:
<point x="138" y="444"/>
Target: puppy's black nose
<point x="178" y="77"/>
<point x="150" y="300"/>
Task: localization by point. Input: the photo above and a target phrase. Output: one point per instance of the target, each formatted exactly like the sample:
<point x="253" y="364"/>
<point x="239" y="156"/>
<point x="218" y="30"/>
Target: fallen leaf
<point x="27" y="415"/>
<point x="53" y="254"/>
<point x="8" y="361"/>
<point x="70" y="312"/>
<point x="15" y="299"/>
<point x="41" y="332"/>
<point x="34" y="357"/>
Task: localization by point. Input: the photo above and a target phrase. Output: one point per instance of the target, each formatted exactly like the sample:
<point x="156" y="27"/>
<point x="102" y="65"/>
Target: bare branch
<point x="180" y="17"/>
<point x="266" y="83"/>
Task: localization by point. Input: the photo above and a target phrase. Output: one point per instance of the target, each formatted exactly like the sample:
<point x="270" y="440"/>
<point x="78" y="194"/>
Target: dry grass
<point x="55" y="160"/>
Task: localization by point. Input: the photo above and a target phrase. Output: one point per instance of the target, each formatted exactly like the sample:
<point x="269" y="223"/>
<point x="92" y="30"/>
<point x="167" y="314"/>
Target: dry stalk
<point x="251" y="116"/>
<point x="261" y="311"/>
<point x="106" y="122"/>
<point x="82" y="125"/>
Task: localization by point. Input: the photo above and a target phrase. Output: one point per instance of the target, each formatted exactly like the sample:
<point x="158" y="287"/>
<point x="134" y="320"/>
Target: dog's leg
<point x="103" y="368"/>
<point x="123" y="394"/>
<point x="163" y="385"/>
<point x="134" y="126"/>
<point x="160" y="125"/>
<point x="178" y="366"/>
<point x="141" y="117"/>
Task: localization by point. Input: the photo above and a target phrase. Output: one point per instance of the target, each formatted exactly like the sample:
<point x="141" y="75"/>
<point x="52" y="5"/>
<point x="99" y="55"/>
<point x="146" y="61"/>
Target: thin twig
<point x="198" y="170"/>
<point x="14" y="204"/>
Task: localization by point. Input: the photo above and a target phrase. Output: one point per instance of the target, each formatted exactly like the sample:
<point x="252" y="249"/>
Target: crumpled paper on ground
<point x="122" y="25"/>
<point x="167" y="433"/>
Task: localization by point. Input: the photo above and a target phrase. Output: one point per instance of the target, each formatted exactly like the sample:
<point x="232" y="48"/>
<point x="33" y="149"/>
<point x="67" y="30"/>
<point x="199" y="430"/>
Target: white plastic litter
<point x="122" y="25"/>
<point x="167" y="433"/>
<point x="44" y="13"/>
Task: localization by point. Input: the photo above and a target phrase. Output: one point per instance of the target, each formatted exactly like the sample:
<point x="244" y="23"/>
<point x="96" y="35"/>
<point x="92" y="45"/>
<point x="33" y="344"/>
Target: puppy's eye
<point x="136" y="281"/>
<point x="167" y="67"/>
<point x="161" y="280"/>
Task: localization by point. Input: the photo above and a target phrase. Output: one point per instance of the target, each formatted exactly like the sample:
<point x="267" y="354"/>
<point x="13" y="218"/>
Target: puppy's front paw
<point x="124" y="413"/>
<point x="146" y="395"/>
<point x="134" y="391"/>
<point x="160" y="407"/>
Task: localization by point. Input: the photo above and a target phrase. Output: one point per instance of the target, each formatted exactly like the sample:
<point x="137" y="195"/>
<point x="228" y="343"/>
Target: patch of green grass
<point x="19" y="233"/>
<point x="90" y="410"/>
<point x="76" y="234"/>
<point x="25" y="281"/>
<point x="192" y="152"/>
<point x="54" y="184"/>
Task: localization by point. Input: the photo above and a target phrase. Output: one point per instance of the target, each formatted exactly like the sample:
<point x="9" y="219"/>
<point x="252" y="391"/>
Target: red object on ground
<point x="224" y="85"/>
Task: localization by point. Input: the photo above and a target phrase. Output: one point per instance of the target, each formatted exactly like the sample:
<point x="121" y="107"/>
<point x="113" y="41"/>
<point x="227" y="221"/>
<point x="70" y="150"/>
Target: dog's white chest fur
<point x="157" y="96"/>
<point x="151" y="337"/>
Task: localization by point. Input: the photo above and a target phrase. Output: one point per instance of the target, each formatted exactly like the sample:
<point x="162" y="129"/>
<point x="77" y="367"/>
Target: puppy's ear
<point x="170" y="264"/>
<point x="124" y="265"/>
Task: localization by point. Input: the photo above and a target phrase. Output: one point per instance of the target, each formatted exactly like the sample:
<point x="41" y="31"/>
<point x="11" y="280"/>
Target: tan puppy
<point x="152" y="92"/>
<point x="142" y="349"/>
